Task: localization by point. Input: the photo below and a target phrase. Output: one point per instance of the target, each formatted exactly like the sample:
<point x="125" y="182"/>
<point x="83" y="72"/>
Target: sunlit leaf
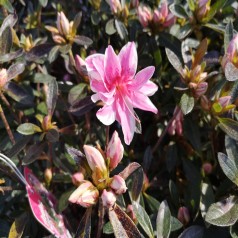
<point x="229" y="126"/>
<point x="82" y="40"/>
<point x="174" y="60"/>
<point x="52" y="95"/>
<point x="178" y="10"/>
<point x="5" y="41"/>
<point x="186" y="103"/>
<point x="77" y="20"/>
<point x="11" y="56"/>
<point x="121" y="29"/>
<point x="231" y="72"/>
<point x="15" y="70"/>
<point x="229" y="33"/>
<point x="110" y="27"/>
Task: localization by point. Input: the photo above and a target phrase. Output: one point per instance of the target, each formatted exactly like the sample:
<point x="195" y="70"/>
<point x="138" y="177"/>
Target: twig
<point x="8" y="129"/>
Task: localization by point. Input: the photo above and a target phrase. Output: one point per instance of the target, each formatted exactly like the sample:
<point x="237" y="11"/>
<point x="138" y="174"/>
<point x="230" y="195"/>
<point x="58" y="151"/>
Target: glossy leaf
<point x="122" y="224"/>
<point x="223" y="213"/>
<point x="82" y="40"/>
<point x="175" y="224"/>
<point x="174" y="60"/>
<point x="186" y="103"/>
<point x="28" y="129"/>
<point x="163" y="221"/>
<point x="9" y="21"/>
<point x="229" y="126"/>
<point x="52" y="135"/>
<point x="121" y="29"/>
<point x="43" y="3"/>
<point x="77" y="93"/>
<point x="178" y="10"/>
<point x="152" y="202"/>
<point x="7" y="4"/>
<point x="15" y="70"/>
<point x="107" y="228"/>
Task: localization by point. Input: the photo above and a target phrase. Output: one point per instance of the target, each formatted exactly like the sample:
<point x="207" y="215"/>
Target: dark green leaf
<point x="143" y="219"/>
<point x="163" y="221"/>
<point x="28" y="129"/>
<point x="231" y="149"/>
<point x="39" y="51"/>
<point x="174" y="192"/>
<point x="152" y="203"/>
<point x="110" y="27"/>
<point x="175" y="224"/>
<point x="43" y="78"/>
<point x="186" y="103"/>
<point x="223" y="213"/>
<point x="193" y="232"/>
<point x="52" y="95"/>
<point x="52" y="135"/>
<point x="174" y="60"/>
<point x="184" y="31"/>
<point x="229" y="126"/>
<point x="77" y="20"/>
<point x="178" y="10"/>
<point x="53" y="54"/>
<point x="11" y="56"/>
<point x="229" y="33"/>
<point x="107" y="228"/>
<point x="5" y="41"/>
<point x="84" y="229"/>
<point x="33" y="152"/>
<point x="82" y="40"/>
<point x="216" y="27"/>
<point x="77" y="93"/>
<point x="43" y="3"/>
<point x="7" y="4"/>
<point x="9" y="21"/>
<point x="122" y="225"/>
<point x="148" y="156"/>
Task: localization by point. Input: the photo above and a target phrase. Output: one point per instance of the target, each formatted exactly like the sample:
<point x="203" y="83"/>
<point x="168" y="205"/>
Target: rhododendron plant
<point x="114" y="80"/>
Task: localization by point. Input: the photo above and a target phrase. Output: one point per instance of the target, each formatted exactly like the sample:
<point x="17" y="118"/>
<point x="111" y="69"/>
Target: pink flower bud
<point x="134" y="3"/>
<point x="183" y="215"/>
<point x="58" y="39"/>
<point x="115" y="6"/>
<point x="85" y="195"/>
<point x="115" y="151"/>
<point x="80" y="63"/>
<point x="3" y="77"/>
<point x="94" y="158"/>
<point x="144" y="15"/>
<point x="108" y="198"/>
<point x="224" y="101"/>
<point x="118" y="184"/>
<point x="177" y="124"/>
<point x="63" y="24"/>
<point x="203" y="8"/>
<point x="77" y="178"/>
<point x="130" y="212"/>
<point x="207" y="168"/>
<point x="201" y="89"/>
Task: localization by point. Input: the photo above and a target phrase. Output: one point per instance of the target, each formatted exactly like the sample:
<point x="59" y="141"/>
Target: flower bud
<point x="224" y="101"/>
<point x="144" y="15"/>
<point x="177" y="124"/>
<point x="207" y="168"/>
<point x="108" y="198"/>
<point x="3" y="77"/>
<point x="85" y="195"/>
<point x="232" y="51"/>
<point x="94" y="158"/>
<point x="118" y="184"/>
<point x="201" y="89"/>
<point x="205" y="103"/>
<point x="115" y="6"/>
<point x="77" y="178"/>
<point x="134" y="3"/>
<point x="48" y="175"/>
<point x="58" y="39"/>
<point x="79" y="64"/>
<point x="63" y="24"/>
<point x="115" y="151"/>
<point x="183" y="215"/>
<point x="202" y="9"/>
<point x="130" y="212"/>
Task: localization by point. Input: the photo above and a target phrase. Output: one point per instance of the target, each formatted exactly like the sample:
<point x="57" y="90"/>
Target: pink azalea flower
<point x="114" y="80"/>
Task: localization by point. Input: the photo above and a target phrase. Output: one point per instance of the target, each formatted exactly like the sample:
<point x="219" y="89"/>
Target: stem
<point x="107" y="136"/>
<point x="8" y="129"/>
<point x="101" y="213"/>
<point x="164" y="133"/>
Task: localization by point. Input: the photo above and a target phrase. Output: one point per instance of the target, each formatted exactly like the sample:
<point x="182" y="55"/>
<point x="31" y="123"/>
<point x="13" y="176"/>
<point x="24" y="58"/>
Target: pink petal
<point x="164" y="9"/>
<point x="89" y="61"/>
<point x="148" y="89"/>
<point x="142" y="77"/>
<point x="128" y="58"/>
<point x="106" y="115"/>
<point x="170" y="20"/>
<point x="112" y="67"/>
<point x="95" y="97"/>
<point x="127" y="120"/>
<point x="143" y="102"/>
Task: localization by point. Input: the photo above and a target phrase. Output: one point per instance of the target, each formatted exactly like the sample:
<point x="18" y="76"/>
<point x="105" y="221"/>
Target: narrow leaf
<point x="229" y="126"/>
<point x="174" y="60"/>
<point x="52" y="95"/>
<point x="131" y="168"/>
<point x="5" y="41"/>
<point x="121" y="29"/>
<point x="82" y="40"/>
<point x="229" y="32"/>
<point x="77" y="20"/>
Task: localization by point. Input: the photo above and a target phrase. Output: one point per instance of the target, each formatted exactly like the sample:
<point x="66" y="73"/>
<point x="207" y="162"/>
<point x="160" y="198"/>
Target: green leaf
<point x="33" y="153"/>
<point x="186" y="103"/>
<point x="229" y="126"/>
<point x="82" y="40"/>
<point x="53" y="54"/>
<point x="216" y="27"/>
<point x="51" y="96"/>
<point x="121" y="29"/>
<point x="163" y="221"/>
<point x="223" y="213"/>
<point x="143" y="219"/>
<point x="193" y="232"/>
<point x="14" y="70"/>
<point x="152" y="203"/>
<point x="11" y="56"/>
<point x="77" y="93"/>
<point x="231" y="149"/>
<point x="110" y="27"/>
<point x="5" y="41"/>
<point x="229" y="33"/>
<point x="43" y="3"/>
<point x="234" y="230"/>
<point x="214" y="8"/>
<point x="174" y="60"/>
<point x="38" y="52"/>
<point x="18" y="226"/>
<point x="174" y="192"/>
<point x="229" y="167"/>
<point x="52" y="135"/>
<point x="178" y="10"/>
<point x="175" y="224"/>
<point x="122" y="224"/>
<point x="77" y="20"/>
<point x="7" y="4"/>
<point x="231" y="72"/>
<point x="207" y="198"/>
<point x="184" y="31"/>
<point x="84" y="229"/>
<point x="107" y="228"/>
<point x="9" y="21"/>
<point x="43" y="78"/>
<point x="28" y="129"/>
<point x="191" y="5"/>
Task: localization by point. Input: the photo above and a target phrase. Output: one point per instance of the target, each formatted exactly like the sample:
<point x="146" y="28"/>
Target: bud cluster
<point x="100" y="184"/>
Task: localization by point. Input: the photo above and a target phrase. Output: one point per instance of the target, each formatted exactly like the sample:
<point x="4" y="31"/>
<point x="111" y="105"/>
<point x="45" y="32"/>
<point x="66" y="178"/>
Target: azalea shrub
<point x="118" y="118"/>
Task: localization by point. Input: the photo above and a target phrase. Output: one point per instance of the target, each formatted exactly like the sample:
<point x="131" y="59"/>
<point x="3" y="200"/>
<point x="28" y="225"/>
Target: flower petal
<point x="126" y="118"/>
<point x="142" y="77"/>
<point x="112" y="67"/>
<point x="106" y="115"/>
<point x="143" y="102"/>
<point x="148" y="89"/>
<point x="129" y="60"/>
